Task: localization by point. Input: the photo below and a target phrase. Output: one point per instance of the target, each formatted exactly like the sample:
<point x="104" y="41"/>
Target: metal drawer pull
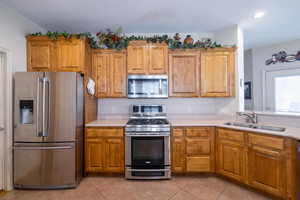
<point x="42" y="148"/>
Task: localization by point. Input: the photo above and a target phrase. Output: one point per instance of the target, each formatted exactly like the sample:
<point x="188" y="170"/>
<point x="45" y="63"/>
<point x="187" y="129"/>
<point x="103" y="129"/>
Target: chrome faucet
<point x="250" y="117"/>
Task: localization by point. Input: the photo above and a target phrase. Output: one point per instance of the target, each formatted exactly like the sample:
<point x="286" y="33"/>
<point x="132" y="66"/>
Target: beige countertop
<point x="200" y="120"/>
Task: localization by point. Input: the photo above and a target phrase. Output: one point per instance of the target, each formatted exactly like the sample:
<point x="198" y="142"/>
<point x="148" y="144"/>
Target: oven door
<point x="147" y="152"/>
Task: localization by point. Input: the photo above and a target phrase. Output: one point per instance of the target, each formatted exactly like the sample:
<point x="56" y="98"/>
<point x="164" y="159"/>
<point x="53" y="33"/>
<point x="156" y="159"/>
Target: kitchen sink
<point x="255" y="126"/>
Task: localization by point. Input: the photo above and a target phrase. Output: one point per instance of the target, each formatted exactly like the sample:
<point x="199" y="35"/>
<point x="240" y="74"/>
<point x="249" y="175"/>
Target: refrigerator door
<point x="44" y="166"/>
<point x="60" y="116"/>
<point x="28" y="106"/>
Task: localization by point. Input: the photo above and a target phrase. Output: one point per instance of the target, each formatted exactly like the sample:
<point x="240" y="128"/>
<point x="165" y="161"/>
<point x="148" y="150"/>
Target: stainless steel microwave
<point x="147" y="86"/>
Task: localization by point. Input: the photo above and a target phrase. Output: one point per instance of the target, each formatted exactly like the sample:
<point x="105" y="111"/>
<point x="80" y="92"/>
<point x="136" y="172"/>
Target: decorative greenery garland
<point x="114" y="40"/>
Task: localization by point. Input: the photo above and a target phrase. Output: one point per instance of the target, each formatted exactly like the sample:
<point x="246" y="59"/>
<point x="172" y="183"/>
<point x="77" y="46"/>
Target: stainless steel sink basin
<point x="240" y="124"/>
<point x="255" y="126"/>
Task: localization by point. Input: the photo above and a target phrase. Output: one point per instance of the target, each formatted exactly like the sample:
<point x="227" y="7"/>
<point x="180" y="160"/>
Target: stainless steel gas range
<point x="147" y="143"/>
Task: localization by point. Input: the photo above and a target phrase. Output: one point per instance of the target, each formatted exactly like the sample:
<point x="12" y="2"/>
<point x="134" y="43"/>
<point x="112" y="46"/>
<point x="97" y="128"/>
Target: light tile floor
<point x="117" y="188"/>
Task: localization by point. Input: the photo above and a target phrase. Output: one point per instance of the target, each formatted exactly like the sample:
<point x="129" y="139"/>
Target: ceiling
<point x="158" y="16"/>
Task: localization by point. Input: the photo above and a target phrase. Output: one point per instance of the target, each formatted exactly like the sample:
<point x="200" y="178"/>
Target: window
<point x="287" y="94"/>
<point x="283" y="91"/>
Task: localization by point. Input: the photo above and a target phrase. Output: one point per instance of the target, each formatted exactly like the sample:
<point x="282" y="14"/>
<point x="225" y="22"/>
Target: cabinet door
<point x="198" y="164"/>
<point x="231" y="159"/>
<point x="137" y="61"/>
<point x="114" y="155"/>
<point x="117" y="75"/>
<point x="178" y="154"/>
<point x="217" y="74"/>
<point x="266" y="170"/>
<point x="158" y="59"/>
<point x="94" y="155"/>
<point x="101" y="65"/>
<point x="184" y="74"/>
<point x="40" y="55"/>
<point x="70" y="55"/>
<point x="197" y="146"/>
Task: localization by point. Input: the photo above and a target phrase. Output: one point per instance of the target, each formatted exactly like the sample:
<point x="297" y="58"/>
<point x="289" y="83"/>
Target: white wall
<point x="248" y="76"/>
<point x="229" y="36"/>
<point x="13" y="28"/>
<point x="260" y="55"/>
<point x="233" y="36"/>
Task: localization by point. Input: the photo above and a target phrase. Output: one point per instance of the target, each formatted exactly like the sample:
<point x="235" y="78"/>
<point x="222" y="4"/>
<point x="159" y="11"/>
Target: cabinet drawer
<point x="104" y="132"/>
<point x="198" y="132"/>
<point x="178" y="132"/>
<point x="237" y="136"/>
<point x="198" y="164"/>
<point x="266" y="141"/>
<point x="197" y="146"/>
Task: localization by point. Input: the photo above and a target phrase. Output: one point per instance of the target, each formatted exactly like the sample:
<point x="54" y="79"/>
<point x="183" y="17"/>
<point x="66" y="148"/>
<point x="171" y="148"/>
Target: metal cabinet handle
<point x="43" y="148"/>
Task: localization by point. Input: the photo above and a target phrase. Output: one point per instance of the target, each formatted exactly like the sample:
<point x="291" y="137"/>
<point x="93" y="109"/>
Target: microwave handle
<point x="160" y="86"/>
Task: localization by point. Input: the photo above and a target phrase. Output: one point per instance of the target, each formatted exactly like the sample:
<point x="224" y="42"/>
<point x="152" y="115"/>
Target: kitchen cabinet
<point x="40" y="54"/>
<point x="231" y="154"/>
<point x="178" y="151"/>
<point x="193" y="149"/>
<point x="261" y="161"/>
<point x="184" y="73"/>
<point x="110" y="67"/>
<point x="104" y="150"/>
<point x="70" y="55"/>
<point x="217" y="73"/>
<point x="147" y="58"/>
<point x="267" y="164"/>
<point x="94" y="155"/>
<point x="61" y="55"/>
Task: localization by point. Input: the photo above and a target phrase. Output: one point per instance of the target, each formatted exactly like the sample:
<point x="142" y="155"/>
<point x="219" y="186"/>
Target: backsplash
<point x="173" y="105"/>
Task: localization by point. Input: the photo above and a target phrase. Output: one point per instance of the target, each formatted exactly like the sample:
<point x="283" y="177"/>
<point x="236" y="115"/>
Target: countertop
<point x="199" y="120"/>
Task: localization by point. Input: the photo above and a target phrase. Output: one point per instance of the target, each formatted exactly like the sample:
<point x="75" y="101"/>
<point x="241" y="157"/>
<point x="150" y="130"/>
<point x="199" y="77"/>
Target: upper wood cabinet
<point x="147" y="58"/>
<point x="70" y="55"/>
<point x="217" y="73"/>
<point x="40" y="54"/>
<point x="61" y="55"/>
<point x="110" y="70"/>
<point x="184" y="73"/>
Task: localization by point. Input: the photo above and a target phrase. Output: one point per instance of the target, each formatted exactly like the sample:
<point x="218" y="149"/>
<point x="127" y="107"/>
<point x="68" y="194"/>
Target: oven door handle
<point x="146" y="135"/>
<point x="147" y="170"/>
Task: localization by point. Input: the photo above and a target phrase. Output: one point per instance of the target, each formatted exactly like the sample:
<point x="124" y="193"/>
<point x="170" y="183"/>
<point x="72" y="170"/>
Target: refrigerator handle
<point x="49" y="105"/>
<point x="44" y="131"/>
<point x="37" y="107"/>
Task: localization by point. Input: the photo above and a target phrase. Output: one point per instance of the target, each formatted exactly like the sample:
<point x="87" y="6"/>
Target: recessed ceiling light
<point x="259" y="14"/>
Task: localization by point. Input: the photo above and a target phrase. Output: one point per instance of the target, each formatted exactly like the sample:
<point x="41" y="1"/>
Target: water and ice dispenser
<point x="26" y="111"/>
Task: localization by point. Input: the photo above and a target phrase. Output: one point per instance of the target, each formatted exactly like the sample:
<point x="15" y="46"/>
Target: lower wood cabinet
<point x="193" y="149"/>
<point x="267" y="163"/>
<point x="104" y="150"/>
<point x="266" y="170"/>
<point x="231" y="154"/>
<point x="261" y="161"/>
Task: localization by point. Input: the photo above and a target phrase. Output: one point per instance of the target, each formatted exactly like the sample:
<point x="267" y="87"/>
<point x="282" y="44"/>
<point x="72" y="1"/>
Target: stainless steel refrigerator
<point x="48" y="129"/>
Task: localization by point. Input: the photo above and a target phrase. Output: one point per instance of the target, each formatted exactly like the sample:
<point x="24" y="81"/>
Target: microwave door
<point x="60" y="107"/>
<point x="28" y="106"/>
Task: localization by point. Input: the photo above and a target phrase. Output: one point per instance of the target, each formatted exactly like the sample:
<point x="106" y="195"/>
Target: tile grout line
<point x="219" y="196"/>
